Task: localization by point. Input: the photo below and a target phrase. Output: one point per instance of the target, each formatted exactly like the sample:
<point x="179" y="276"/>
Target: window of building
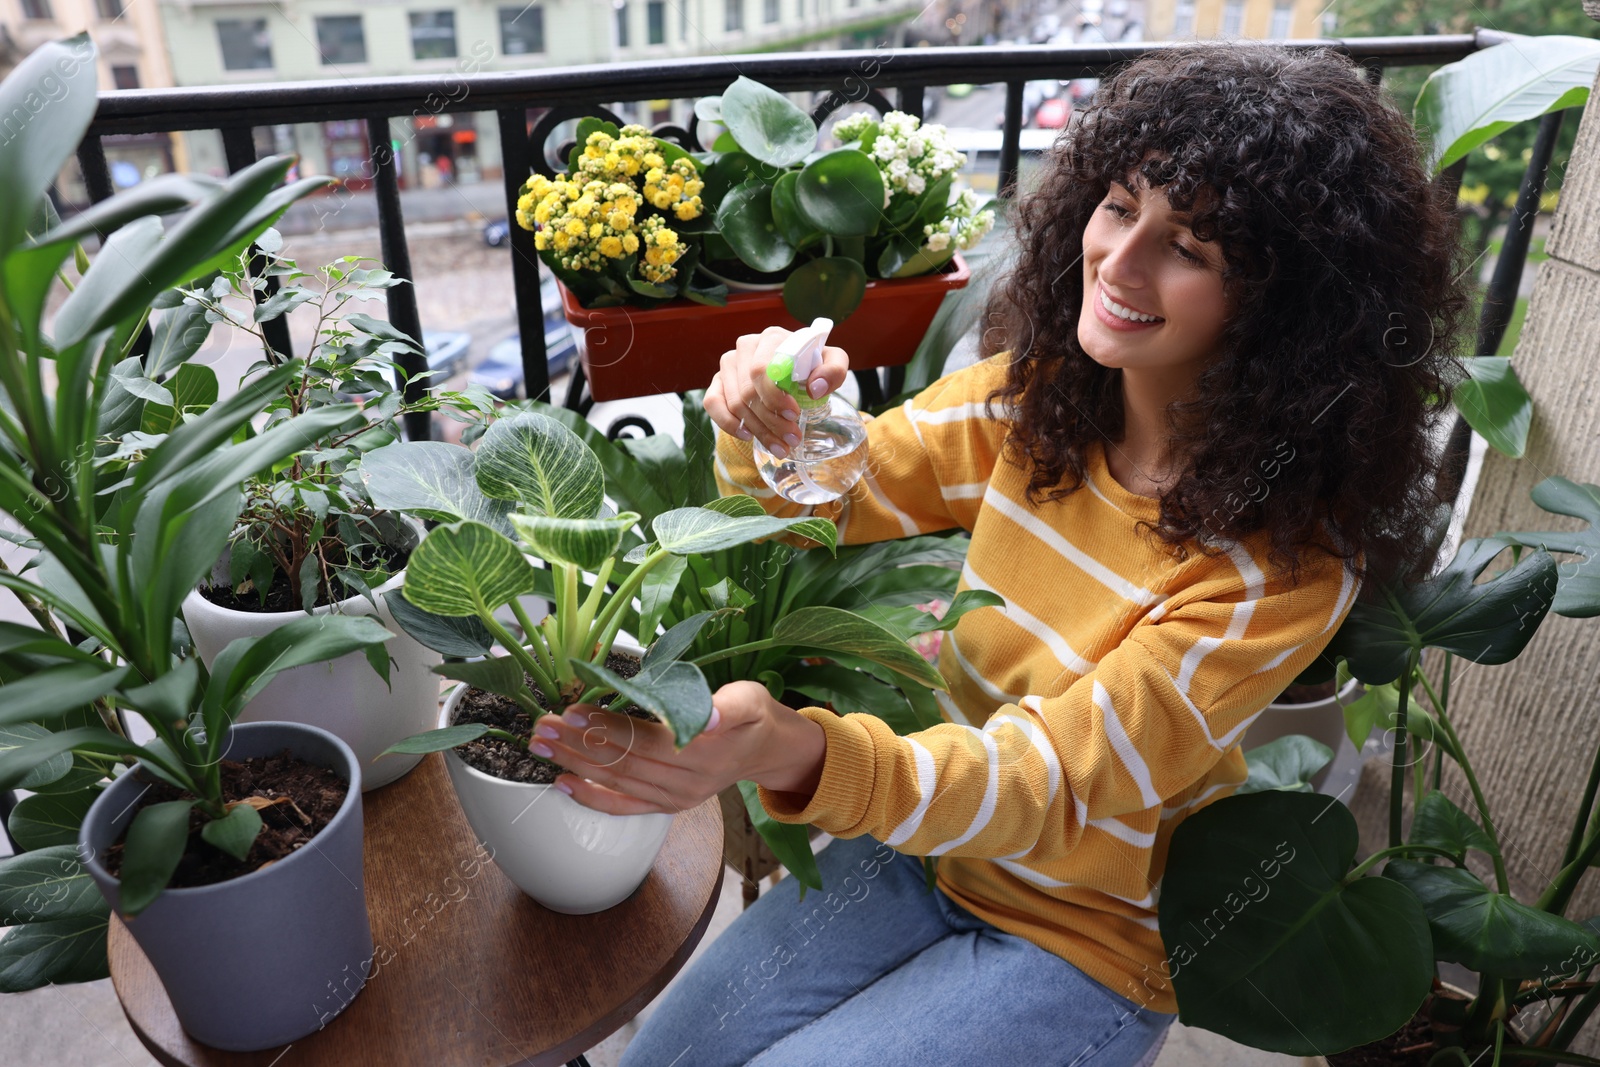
<point x="1281" y="14"/>
<point x="433" y="34"/>
<point x="108" y="9"/>
<point x="36" y="9"/>
<point x="656" y="22"/>
<point x="246" y="44"/>
<point x="125" y="77"/>
<point x="340" y="40"/>
<point x="1183" y="21"/>
<point x="772" y="14"/>
<point x="733" y="16"/>
<point x="622" y="22"/>
<point x="1232" y="18"/>
<point x="521" y="30"/>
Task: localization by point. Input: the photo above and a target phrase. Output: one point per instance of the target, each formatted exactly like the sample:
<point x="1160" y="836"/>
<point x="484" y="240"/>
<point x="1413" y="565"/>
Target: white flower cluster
<point x="963" y="227"/>
<point x="910" y="155"/>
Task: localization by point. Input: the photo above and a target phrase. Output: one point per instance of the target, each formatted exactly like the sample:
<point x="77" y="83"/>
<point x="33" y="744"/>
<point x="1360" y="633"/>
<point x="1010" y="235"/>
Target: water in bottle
<point x="832" y="453"/>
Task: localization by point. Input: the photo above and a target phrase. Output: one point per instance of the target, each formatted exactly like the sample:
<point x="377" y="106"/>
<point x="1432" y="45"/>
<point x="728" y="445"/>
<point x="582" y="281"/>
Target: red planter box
<point x="630" y="351"/>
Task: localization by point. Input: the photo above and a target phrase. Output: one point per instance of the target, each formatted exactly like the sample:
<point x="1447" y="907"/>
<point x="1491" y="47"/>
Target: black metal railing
<point x="564" y="93"/>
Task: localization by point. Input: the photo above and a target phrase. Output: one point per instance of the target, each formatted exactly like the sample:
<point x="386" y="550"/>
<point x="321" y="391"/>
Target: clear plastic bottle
<point x="832" y="453"/>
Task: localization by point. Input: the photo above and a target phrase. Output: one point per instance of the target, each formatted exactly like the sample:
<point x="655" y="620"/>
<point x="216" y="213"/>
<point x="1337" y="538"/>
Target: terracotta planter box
<point x="630" y="351"/>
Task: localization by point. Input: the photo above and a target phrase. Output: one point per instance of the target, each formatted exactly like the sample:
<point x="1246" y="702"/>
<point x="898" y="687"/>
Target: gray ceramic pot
<point x="267" y="958"/>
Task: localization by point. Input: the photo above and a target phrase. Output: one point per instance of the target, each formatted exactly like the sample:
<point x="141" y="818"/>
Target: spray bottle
<point x="832" y="453"/>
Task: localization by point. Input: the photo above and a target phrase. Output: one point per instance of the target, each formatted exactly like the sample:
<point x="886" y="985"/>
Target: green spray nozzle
<point x="797" y="359"/>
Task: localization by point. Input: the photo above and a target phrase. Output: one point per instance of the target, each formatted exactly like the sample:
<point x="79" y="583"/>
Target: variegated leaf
<point x="585" y="543"/>
<point x="542" y="465"/>
<point x="466" y="569"/>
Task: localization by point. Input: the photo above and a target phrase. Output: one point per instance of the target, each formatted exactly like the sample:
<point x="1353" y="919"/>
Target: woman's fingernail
<point x="791" y="439"/>
<point x="546" y="728"/>
<point x="779" y="451"/>
<point x="792" y="416"/>
<point x="716" y="717"/>
<point x="539" y="749"/>
<point x="572" y="718"/>
<point x="562" y="785"/>
<point x="743" y="434"/>
<point x="818" y="387"/>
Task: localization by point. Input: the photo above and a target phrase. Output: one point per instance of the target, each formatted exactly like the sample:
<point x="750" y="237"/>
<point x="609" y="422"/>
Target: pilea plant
<point x="532" y="488"/>
<point x="1342" y="953"/>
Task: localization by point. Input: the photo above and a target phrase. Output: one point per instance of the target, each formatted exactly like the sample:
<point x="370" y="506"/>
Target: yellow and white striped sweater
<point x="1086" y="718"/>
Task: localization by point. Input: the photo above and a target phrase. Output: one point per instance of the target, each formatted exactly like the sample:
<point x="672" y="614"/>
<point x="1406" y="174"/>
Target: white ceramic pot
<point x="344" y="696"/>
<point x="1322" y="720"/>
<point x="568" y="857"/>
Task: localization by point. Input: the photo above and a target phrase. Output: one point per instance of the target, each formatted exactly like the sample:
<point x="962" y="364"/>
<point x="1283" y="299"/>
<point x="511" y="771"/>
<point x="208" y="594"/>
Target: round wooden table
<point x="476" y="972"/>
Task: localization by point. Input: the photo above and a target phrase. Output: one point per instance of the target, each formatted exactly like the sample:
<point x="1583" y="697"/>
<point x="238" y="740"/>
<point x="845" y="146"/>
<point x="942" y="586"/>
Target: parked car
<point x="1052" y="114"/>
<point x="501" y="370"/>
<point x="497" y="233"/>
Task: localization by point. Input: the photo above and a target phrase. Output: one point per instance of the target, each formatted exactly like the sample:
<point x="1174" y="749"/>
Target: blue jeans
<point x="878" y="971"/>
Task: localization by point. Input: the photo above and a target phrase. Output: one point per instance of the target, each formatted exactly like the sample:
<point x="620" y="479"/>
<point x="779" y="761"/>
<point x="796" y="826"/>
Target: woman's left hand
<point x="628" y="766"/>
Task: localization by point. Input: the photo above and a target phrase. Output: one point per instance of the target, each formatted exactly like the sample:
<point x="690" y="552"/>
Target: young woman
<point x="1201" y="422"/>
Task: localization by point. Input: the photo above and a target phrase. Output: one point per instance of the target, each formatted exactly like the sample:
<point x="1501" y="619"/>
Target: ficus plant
<point x="113" y="543"/>
<point x="533" y="490"/>
<point x="768" y="580"/>
<point x="307" y="529"/>
<point x="1341" y="953"/>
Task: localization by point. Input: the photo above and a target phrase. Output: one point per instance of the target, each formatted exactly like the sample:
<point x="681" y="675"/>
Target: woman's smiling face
<point x="1152" y="292"/>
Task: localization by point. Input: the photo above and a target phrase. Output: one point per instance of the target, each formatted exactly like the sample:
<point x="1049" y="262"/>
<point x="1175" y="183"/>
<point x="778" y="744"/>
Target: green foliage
<point x="122" y="473"/>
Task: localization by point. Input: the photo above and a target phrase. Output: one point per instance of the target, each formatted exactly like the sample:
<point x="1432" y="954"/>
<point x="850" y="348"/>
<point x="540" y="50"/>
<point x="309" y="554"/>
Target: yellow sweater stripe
<point x="1088" y="717"/>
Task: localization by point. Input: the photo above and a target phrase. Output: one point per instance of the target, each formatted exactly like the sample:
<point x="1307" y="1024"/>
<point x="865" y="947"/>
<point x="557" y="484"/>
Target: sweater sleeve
<point x="928" y="462"/>
<point x="1148" y="721"/>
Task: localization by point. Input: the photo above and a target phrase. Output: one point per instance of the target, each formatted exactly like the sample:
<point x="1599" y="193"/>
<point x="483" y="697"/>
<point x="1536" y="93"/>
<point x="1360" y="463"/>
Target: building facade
<point x="1263" y="19"/>
<point x="218" y="42"/>
<point x="131" y="53"/>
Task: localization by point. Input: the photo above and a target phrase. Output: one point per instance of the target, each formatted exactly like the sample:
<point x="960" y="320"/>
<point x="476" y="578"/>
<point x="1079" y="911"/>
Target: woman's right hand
<point x="744" y="401"/>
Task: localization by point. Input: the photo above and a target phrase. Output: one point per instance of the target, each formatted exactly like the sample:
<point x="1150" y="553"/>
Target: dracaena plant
<point x="113" y="544"/>
<point x="307" y="529"/>
<point x="1340" y="953"/>
<point x="534" y="490"/>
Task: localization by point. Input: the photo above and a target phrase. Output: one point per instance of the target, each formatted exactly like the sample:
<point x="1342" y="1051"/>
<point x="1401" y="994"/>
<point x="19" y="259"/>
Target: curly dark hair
<point x="1343" y="272"/>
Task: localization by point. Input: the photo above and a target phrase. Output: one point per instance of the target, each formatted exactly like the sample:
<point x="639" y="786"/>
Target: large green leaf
<point x="466" y="569"/>
<point x="48" y="883"/>
<point x="1577" y="581"/>
<point x="58" y="951"/>
<point x="1495" y="404"/>
<point x="1487" y="622"/>
<point x="656" y="592"/>
<point x="909" y="621"/>
<point x="637" y="472"/>
<point x="542" y="465"/>
<point x="854" y="580"/>
<point x="433" y="480"/>
<point x="1440" y="823"/>
<point x="585" y="543"/>
<point x="155" y="844"/>
<point x="676" y="641"/>
<point x="834" y="629"/>
<point x="40" y="774"/>
<point x="767" y="124"/>
<point x="1466" y="103"/>
<point x="500" y="675"/>
<point x="841" y="193"/>
<point x="832" y="286"/>
<point x="745" y="221"/>
<point x="48" y="695"/>
<point x="1487" y="931"/>
<point x="462" y="635"/>
<point x="436" y="740"/>
<point x="786" y="211"/>
<point x="48" y="101"/>
<point x="1268" y="944"/>
<point x="789" y="842"/>
<point x="853" y="692"/>
<point x="677" y="694"/>
<point x="22" y="763"/>
<point x="42" y="820"/>
<point x="1287" y="763"/>
<point x="685" y="530"/>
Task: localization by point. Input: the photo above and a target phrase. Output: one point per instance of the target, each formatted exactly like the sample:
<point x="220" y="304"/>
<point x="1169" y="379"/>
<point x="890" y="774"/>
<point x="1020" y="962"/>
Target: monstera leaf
<point x="1486" y="622"/>
<point x="1578" y="581"/>
<point x="1270" y="945"/>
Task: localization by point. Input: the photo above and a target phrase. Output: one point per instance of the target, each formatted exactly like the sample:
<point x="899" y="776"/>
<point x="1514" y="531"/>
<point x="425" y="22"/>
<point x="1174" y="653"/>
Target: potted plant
<point x="203" y="866"/>
<point x="1338" y="955"/>
<point x="885" y="584"/>
<point x="841" y="233"/>
<point x="533" y="488"/>
<point x="1312" y="707"/>
<point x="308" y="539"/>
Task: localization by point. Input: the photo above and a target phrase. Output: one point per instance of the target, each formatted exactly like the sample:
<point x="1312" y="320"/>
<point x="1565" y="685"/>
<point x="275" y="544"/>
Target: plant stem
<point x="1501" y="882"/>
<point x="514" y="647"/>
<point x="1389" y="853"/>
<point x="1397" y="773"/>
<point x="1577" y="1015"/>
<point x="737" y="650"/>
<point x="531" y="635"/>
<point x="563" y="667"/>
<point x="567" y="609"/>
<point x="591" y="604"/>
<point x="504" y="735"/>
<point x="609" y="621"/>
<point x="1580" y="822"/>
